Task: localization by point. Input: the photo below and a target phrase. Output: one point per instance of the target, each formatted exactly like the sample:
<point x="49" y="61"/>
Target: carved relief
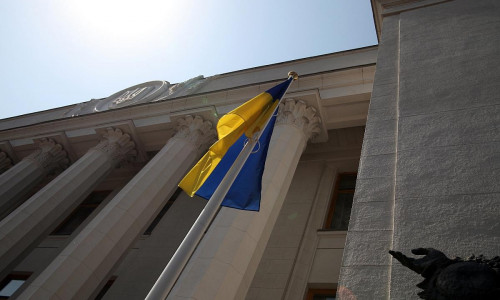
<point x="128" y="95"/>
<point x="197" y="131"/>
<point x="142" y="93"/>
<point x="49" y="156"/>
<point x="187" y="87"/>
<point x="116" y="144"/>
<point x="5" y="162"/>
<point x="82" y="108"/>
<point x="298" y="114"/>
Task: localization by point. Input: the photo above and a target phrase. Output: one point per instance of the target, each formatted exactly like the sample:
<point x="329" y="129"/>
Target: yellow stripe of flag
<point x="247" y="118"/>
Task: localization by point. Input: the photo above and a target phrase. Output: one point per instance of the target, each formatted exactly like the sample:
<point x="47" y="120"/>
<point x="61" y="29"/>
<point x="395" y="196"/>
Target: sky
<point x="55" y="53"/>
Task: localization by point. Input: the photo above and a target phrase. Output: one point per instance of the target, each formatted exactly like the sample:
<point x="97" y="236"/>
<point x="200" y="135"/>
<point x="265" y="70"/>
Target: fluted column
<point x="225" y="262"/>
<point x="16" y="182"/>
<point x="85" y="263"/>
<point x="24" y="228"/>
<point x="5" y="162"/>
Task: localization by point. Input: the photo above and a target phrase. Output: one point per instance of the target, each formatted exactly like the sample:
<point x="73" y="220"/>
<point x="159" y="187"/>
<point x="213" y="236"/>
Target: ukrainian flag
<point x="233" y="130"/>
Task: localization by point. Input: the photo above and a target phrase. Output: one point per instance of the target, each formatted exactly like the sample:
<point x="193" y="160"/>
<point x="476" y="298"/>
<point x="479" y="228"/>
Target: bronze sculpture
<point x="457" y="279"/>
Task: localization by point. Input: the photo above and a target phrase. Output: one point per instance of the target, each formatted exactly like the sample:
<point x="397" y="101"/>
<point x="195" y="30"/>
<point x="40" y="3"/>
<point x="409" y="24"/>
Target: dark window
<point x="340" y="206"/>
<point x="162" y="212"/>
<point x="105" y="288"/>
<point x="151" y="154"/>
<point x="12" y="283"/>
<point x="317" y="294"/>
<point x="81" y="213"/>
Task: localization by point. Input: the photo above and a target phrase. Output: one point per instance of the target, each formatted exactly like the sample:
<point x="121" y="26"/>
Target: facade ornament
<point x="128" y="95"/>
<point x="184" y="88"/>
<point x="5" y="162"/>
<point x="82" y="108"/>
<point x="116" y="144"/>
<point x="196" y="131"/>
<point x="140" y="93"/>
<point x="151" y="91"/>
<point x="49" y="155"/>
<point x="299" y="114"/>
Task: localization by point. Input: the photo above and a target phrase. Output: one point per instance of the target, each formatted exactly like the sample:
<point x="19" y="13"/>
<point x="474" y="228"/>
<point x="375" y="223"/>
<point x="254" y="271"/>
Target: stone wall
<point x="429" y="170"/>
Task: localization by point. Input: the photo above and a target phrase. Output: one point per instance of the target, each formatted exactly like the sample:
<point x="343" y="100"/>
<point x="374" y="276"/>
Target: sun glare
<point x="121" y="22"/>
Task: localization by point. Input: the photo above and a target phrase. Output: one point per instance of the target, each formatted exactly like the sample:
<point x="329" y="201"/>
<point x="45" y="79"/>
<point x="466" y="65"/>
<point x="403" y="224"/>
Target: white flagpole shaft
<point x="169" y="276"/>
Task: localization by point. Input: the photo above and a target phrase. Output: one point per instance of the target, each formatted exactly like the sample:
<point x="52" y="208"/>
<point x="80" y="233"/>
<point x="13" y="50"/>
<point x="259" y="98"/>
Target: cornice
<point x="384" y="8"/>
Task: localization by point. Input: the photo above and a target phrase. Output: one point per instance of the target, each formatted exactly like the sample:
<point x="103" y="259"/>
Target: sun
<point x="121" y="22"/>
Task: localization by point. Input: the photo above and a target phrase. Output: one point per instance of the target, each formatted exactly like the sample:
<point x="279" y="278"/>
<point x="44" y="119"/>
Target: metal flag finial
<point x="293" y="74"/>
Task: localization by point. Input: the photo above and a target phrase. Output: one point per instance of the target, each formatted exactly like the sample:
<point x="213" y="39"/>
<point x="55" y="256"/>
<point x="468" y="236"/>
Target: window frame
<point x="319" y="292"/>
<point x="333" y="200"/>
<point x="14" y="276"/>
<point x="105" y="288"/>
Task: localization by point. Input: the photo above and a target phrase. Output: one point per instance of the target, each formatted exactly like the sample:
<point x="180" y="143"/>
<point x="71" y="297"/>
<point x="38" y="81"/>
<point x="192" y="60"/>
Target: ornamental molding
<point x="185" y="88"/>
<point x="197" y="131"/>
<point x="147" y="92"/>
<point x="300" y="115"/>
<point x="49" y="155"/>
<point x="117" y="145"/>
<point x="140" y="93"/>
<point x="5" y="162"/>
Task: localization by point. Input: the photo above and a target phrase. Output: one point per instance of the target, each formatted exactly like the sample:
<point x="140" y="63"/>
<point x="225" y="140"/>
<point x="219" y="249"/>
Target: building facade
<point x="91" y="207"/>
<point x="360" y="162"/>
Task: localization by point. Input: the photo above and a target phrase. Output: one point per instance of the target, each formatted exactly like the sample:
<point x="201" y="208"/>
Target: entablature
<point x="340" y="96"/>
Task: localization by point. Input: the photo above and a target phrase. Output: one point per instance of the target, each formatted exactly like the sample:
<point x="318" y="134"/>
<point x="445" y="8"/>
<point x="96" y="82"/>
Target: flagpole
<point x="169" y="276"/>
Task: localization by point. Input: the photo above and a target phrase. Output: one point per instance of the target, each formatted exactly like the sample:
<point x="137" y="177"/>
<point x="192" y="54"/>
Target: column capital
<point x="49" y="155"/>
<point x="196" y="131"/>
<point x="5" y="162"/>
<point x="116" y="144"/>
<point x="297" y="113"/>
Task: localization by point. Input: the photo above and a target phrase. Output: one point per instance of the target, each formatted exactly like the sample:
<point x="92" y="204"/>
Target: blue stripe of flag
<point x="245" y="193"/>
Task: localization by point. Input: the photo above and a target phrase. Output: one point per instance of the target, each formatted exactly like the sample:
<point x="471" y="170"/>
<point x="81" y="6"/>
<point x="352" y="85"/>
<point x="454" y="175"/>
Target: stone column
<point x="16" y="182"/>
<point x="83" y="265"/>
<point x="26" y="226"/>
<point x="5" y="162"/>
<point x="225" y="262"/>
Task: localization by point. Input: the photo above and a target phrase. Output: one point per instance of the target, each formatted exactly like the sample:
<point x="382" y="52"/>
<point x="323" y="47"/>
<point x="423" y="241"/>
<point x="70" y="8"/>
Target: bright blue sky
<point x="59" y="52"/>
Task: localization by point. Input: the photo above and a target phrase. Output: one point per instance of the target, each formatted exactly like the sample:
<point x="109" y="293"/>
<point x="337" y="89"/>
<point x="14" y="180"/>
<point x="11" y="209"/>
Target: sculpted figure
<point x="457" y="279"/>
